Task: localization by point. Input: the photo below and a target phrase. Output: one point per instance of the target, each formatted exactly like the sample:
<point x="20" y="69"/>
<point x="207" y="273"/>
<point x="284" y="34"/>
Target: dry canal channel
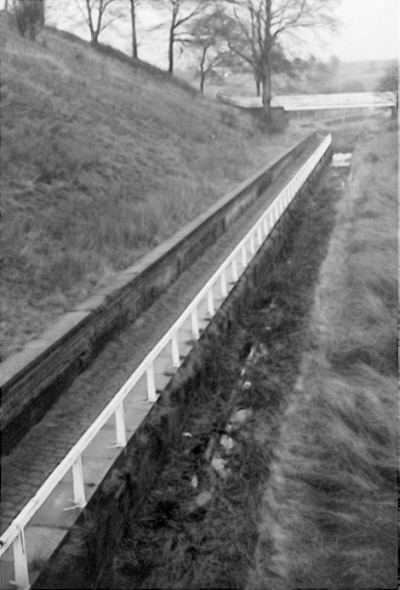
<point x="178" y="508"/>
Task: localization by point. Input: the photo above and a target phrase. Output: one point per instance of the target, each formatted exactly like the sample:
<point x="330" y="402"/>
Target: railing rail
<point x="317" y="101"/>
<point x="14" y="535"/>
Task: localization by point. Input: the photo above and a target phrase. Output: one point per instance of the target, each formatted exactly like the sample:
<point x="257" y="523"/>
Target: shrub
<point x="29" y="16"/>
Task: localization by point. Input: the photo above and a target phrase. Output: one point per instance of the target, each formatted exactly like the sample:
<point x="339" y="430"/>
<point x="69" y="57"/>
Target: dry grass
<point x="101" y="160"/>
<point x="329" y="511"/>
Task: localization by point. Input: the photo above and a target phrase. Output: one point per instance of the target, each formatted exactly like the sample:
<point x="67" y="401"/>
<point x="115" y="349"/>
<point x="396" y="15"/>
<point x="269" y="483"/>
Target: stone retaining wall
<point x="33" y="379"/>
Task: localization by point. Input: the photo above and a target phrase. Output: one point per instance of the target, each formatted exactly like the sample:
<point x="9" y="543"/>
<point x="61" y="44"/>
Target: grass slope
<point x="102" y="158"/>
<point x="329" y="513"/>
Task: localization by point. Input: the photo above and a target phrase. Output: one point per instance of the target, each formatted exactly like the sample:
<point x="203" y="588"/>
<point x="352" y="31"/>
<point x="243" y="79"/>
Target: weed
<point x="328" y="517"/>
<point x="229" y="118"/>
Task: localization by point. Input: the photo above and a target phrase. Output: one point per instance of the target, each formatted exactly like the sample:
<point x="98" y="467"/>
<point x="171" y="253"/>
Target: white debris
<point x="203" y="498"/>
<point x="241" y="416"/>
<point x="238" y="418"/>
<point x="187" y="434"/>
<point x="341" y="160"/>
<point x="218" y="464"/>
<point x="209" y="449"/>
<point x="252" y="352"/>
<point x="226" y="442"/>
<point x="194" y="482"/>
<point x="246" y="385"/>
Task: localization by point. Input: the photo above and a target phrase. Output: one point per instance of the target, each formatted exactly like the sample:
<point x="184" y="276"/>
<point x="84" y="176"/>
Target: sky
<point x="370" y="30"/>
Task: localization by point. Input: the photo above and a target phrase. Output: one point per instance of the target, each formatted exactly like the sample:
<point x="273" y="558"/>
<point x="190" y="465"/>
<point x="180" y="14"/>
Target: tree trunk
<point x="94" y="37"/>
<point x="266" y="72"/>
<point x="171" y="51"/>
<point x="202" y="71"/>
<point x="266" y="93"/>
<point x="32" y="30"/>
<point x="42" y="18"/>
<point x="133" y="23"/>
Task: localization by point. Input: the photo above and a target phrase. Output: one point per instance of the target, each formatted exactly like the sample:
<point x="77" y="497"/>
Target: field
<point x="329" y="508"/>
<point x="102" y="158"/>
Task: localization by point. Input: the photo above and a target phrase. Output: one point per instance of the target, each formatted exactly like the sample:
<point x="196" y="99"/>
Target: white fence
<point x="306" y="102"/>
<point x="334" y="101"/>
<point x="14" y="536"/>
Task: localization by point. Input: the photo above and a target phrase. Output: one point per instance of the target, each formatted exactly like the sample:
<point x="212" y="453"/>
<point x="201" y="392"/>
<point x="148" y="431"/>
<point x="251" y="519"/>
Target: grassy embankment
<point x="101" y="160"/>
<point x="329" y="513"/>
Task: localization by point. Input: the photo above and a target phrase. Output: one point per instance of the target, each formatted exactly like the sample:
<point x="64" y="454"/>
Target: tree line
<point x="260" y="36"/>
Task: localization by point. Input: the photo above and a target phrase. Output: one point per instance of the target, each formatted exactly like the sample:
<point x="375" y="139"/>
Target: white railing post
<point x="78" y="483"/>
<point x="210" y="302"/>
<point x="273" y="215"/>
<point x="151" y="384"/>
<point x="244" y="255"/>
<point x="224" y="289"/>
<point x="252" y="244"/>
<point x="235" y="274"/>
<point x="259" y="235"/>
<point x="195" y="324"/>
<point x="176" y="360"/>
<point x="265" y="225"/>
<point x="20" y="562"/>
<point x="120" y="426"/>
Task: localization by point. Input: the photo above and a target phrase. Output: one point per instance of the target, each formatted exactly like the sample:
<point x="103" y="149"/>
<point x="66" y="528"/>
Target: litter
<point x="226" y="442"/>
<point x="203" y="498"/>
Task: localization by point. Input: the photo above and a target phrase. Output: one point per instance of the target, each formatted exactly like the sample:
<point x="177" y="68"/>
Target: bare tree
<point x="99" y="14"/>
<point x="133" y="5"/>
<point x="209" y="47"/>
<point x="256" y="30"/>
<point x="181" y="12"/>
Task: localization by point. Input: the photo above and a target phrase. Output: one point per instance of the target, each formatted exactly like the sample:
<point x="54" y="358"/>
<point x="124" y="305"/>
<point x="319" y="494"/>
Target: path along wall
<point x="34" y="378"/>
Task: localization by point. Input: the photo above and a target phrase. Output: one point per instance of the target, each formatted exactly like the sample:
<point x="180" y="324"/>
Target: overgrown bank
<point x="329" y="512"/>
<point x="101" y="160"/>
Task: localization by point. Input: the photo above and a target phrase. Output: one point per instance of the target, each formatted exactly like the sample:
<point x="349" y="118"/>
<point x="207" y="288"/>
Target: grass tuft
<point x="329" y="509"/>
